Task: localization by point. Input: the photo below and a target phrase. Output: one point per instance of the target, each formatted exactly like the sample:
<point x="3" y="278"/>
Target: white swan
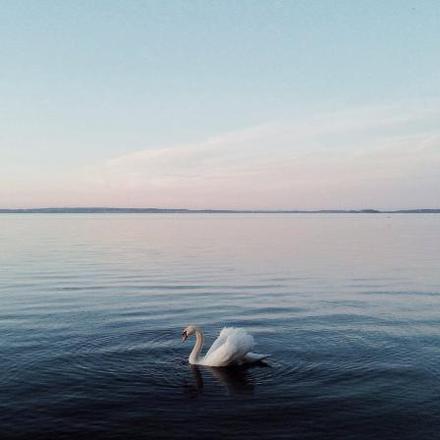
<point x="232" y="347"/>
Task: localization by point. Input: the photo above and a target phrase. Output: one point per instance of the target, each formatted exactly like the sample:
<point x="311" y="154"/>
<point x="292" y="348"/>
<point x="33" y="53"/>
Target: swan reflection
<point x="236" y="380"/>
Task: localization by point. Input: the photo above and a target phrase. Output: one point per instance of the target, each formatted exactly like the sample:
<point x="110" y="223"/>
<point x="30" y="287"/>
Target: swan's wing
<point x="220" y="340"/>
<point x="233" y="350"/>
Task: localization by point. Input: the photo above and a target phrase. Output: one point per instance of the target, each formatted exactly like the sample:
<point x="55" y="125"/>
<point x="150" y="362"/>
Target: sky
<point x="220" y="104"/>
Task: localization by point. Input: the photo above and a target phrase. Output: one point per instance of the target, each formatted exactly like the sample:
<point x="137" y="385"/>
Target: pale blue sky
<point x="253" y="104"/>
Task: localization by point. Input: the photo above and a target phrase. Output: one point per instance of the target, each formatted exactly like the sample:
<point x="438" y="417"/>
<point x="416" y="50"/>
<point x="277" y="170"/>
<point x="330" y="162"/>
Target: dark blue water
<point x="92" y="306"/>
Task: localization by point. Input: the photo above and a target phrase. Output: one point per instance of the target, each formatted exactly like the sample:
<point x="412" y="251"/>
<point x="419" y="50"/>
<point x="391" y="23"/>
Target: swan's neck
<point x="194" y="357"/>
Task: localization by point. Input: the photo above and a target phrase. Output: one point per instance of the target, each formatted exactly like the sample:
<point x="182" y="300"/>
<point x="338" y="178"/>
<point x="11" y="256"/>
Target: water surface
<point x="92" y="306"/>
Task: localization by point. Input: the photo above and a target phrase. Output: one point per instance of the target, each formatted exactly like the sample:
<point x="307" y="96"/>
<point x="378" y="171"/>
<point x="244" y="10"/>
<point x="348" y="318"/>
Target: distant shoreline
<point x="209" y="211"/>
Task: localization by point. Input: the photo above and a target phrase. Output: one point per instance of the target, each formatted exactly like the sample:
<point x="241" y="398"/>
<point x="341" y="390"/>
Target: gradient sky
<point x="220" y="104"/>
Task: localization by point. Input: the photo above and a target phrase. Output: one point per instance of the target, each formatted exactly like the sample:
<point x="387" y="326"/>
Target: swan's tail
<point x="256" y="357"/>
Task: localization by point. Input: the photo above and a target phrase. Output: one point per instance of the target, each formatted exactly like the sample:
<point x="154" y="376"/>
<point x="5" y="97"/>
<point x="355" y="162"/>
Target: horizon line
<point x="109" y="209"/>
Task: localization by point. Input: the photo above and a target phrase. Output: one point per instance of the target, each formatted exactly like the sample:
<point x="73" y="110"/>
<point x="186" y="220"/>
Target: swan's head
<point x="187" y="332"/>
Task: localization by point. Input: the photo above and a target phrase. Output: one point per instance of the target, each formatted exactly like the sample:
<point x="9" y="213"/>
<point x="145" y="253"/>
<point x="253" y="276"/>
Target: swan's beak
<point x="184" y="336"/>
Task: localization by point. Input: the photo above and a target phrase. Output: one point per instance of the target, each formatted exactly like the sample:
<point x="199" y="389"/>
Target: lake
<point x="92" y="307"/>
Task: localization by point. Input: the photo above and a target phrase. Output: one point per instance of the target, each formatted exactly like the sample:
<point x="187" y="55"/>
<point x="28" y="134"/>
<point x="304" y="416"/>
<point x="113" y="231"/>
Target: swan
<point x="232" y="347"/>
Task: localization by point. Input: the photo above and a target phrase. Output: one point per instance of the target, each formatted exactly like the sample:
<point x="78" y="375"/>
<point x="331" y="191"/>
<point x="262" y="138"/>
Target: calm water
<point x="91" y="309"/>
